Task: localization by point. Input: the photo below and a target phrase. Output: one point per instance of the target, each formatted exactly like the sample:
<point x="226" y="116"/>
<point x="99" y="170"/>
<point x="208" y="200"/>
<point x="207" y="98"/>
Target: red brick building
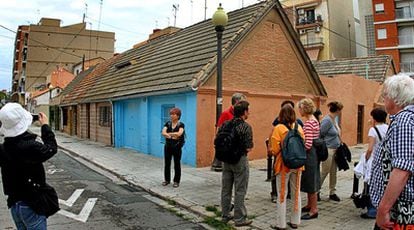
<point x="394" y="31"/>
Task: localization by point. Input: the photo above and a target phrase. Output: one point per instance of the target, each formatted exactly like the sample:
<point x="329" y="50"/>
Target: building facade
<point x="326" y="27"/>
<point x="394" y="31"/>
<point x="39" y="48"/>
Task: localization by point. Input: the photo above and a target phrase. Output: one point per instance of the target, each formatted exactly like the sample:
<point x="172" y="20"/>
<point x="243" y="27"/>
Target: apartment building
<point x="41" y="47"/>
<point x="394" y="31"/>
<point x="326" y="27"/>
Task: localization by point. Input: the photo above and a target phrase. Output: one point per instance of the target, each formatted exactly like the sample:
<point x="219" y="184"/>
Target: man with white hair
<point x="392" y="180"/>
<point x="22" y="171"/>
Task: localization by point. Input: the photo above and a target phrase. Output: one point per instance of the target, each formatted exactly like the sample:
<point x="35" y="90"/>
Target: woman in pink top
<point x="311" y="178"/>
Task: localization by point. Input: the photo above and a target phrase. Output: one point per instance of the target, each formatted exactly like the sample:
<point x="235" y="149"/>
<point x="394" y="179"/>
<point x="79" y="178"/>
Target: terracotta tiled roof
<point x="372" y="67"/>
<point x="61" y="78"/>
<point x="184" y="60"/>
<point x="76" y="91"/>
<point x="38" y="93"/>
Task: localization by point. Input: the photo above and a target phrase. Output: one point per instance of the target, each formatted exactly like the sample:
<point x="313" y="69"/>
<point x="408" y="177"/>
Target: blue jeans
<point x="26" y="219"/>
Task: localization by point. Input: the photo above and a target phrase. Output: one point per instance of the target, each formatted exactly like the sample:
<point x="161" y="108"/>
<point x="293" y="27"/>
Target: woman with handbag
<point x="173" y="132"/>
<point x="311" y="178"/>
<point x="331" y="134"/>
<point x="23" y="174"/>
<point x="287" y="119"/>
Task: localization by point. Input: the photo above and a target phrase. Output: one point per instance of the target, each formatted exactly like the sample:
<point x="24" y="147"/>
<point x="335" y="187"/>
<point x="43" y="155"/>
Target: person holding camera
<point x="21" y="162"/>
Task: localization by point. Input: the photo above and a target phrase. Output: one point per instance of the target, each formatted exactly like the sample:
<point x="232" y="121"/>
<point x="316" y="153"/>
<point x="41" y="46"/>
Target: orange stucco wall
<point x="262" y="111"/>
<point x="353" y="91"/>
<point x="268" y="68"/>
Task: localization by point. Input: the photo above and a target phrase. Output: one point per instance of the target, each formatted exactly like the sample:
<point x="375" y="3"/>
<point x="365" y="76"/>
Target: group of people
<point x="391" y="151"/>
<point x="390" y="181"/>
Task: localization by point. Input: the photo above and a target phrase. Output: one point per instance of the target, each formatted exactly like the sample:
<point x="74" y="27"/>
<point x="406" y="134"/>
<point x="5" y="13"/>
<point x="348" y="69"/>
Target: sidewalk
<point x="201" y="187"/>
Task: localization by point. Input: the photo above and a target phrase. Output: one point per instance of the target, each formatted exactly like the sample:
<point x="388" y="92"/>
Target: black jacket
<point x="21" y="159"/>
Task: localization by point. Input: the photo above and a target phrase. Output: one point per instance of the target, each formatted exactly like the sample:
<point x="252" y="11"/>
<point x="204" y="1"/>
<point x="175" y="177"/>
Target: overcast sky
<point x="131" y="20"/>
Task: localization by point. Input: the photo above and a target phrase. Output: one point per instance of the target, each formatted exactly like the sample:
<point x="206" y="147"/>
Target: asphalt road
<point x="97" y="200"/>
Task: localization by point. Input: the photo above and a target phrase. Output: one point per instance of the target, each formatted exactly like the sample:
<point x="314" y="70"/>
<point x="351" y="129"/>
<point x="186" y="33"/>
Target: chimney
<point x="156" y="33"/>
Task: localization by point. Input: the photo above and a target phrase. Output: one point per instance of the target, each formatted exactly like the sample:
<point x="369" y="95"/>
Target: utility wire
<point x="287" y="8"/>
<point x="45" y="45"/>
<point x="54" y="60"/>
<point x="115" y="27"/>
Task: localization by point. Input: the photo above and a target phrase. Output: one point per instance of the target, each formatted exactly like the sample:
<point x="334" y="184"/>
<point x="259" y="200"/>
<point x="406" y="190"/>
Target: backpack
<point x="226" y="143"/>
<point x="293" y="149"/>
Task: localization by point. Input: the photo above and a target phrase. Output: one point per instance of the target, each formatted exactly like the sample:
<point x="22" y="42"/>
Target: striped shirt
<point x="311" y="130"/>
<point x="399" y="141"/>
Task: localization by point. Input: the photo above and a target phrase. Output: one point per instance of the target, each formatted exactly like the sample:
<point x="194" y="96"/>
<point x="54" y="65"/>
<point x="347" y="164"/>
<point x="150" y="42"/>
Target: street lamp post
<point x="220" y="20"/>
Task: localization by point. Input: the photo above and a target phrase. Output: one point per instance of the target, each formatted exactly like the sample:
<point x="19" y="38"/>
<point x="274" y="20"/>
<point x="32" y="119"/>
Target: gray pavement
<point x="200" y="187"/>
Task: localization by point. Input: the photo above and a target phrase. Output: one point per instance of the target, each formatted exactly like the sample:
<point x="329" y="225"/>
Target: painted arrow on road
<point x="72" y="199"/>
<point x="86" y="210"/>
<point x="84" y="213"/>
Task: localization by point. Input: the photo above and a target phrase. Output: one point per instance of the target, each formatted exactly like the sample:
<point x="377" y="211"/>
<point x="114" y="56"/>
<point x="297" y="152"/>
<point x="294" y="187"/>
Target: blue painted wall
<point x="138" y="124"/>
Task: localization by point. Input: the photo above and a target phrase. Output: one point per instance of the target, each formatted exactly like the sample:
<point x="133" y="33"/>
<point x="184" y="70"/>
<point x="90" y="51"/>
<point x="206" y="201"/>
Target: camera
<point x="35" y="117"/>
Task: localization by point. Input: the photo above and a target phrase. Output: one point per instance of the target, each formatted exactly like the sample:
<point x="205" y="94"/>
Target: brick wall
<point x="266" y="61"/>
<point x="392" y="35"/>
<point x="389" y="10"/>
<point x="93" y="119"/>
<point x="268" y="68"/>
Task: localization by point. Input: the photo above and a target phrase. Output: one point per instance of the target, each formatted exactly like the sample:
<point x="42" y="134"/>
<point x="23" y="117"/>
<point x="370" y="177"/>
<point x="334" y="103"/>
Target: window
<point x="379" y="8"/>
<point x="165" y="116"/>
<point x="382" y="33"/>
<point x="105" y="116"/>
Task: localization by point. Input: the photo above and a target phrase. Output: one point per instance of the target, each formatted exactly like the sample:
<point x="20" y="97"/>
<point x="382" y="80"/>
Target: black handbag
<point x="321" y="149"/>
<point x="361" y="200"/>
<point x="44" y="199"/>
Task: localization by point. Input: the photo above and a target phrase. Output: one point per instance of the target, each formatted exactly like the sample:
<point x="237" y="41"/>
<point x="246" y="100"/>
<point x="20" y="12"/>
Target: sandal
<point x="165" y="183"/>
<point x="175" y="185"/>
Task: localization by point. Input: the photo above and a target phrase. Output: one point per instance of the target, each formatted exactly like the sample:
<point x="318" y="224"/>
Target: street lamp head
<point x="220" y="18"/>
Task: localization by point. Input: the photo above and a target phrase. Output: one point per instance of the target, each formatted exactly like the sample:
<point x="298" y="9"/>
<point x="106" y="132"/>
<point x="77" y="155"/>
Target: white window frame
<point x="382" y="33"/>
<point x="379" y="8"/>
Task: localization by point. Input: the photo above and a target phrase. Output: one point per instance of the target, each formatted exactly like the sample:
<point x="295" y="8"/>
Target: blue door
<point x="131" y="124"/>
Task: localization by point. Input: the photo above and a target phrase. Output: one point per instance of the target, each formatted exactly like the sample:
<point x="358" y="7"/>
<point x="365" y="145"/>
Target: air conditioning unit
<point x="317" y="29"/>
<point x="302" y="31"/>
<point x="301" y="11"/>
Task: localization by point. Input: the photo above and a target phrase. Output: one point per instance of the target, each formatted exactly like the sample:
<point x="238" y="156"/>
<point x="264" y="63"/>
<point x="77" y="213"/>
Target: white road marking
<point x="72" y="199"/>
<point x="84" y="213"/>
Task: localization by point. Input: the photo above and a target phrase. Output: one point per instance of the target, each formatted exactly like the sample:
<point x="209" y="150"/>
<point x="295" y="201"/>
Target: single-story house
<point x="130" y="101"/>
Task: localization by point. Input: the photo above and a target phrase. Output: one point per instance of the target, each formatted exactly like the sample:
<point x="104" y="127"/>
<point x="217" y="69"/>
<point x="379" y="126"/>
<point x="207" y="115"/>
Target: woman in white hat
<point x="21" y="161"/>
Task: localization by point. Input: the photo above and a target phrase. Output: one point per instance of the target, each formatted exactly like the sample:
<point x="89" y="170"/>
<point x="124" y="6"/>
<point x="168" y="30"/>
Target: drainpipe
<point x="112" y="123"/>
<point x="366" y="70"/>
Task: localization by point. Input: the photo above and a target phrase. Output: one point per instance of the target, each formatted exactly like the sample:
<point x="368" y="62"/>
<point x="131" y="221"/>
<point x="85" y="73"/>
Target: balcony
<point x="307" y="22"/>
<point x="405" y="41"/>
<point x="404" y="13"/>
<point x="312" y="42"/>
<point x="407" y="67"/>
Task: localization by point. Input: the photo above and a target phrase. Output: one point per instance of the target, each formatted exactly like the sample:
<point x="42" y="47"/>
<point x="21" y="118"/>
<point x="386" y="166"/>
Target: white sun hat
<point x="14" y="119"/>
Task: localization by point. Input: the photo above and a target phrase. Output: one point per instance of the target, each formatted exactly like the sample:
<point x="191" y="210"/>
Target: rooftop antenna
<point x="99" y="24"/>
<point x="86" y="12"/>
<point x="191" y="15"/>
<point x="100" y="14"/>
<point x="175" y="9"/>
<point x="38" y="15"/>
<point x="205" y="9"/>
